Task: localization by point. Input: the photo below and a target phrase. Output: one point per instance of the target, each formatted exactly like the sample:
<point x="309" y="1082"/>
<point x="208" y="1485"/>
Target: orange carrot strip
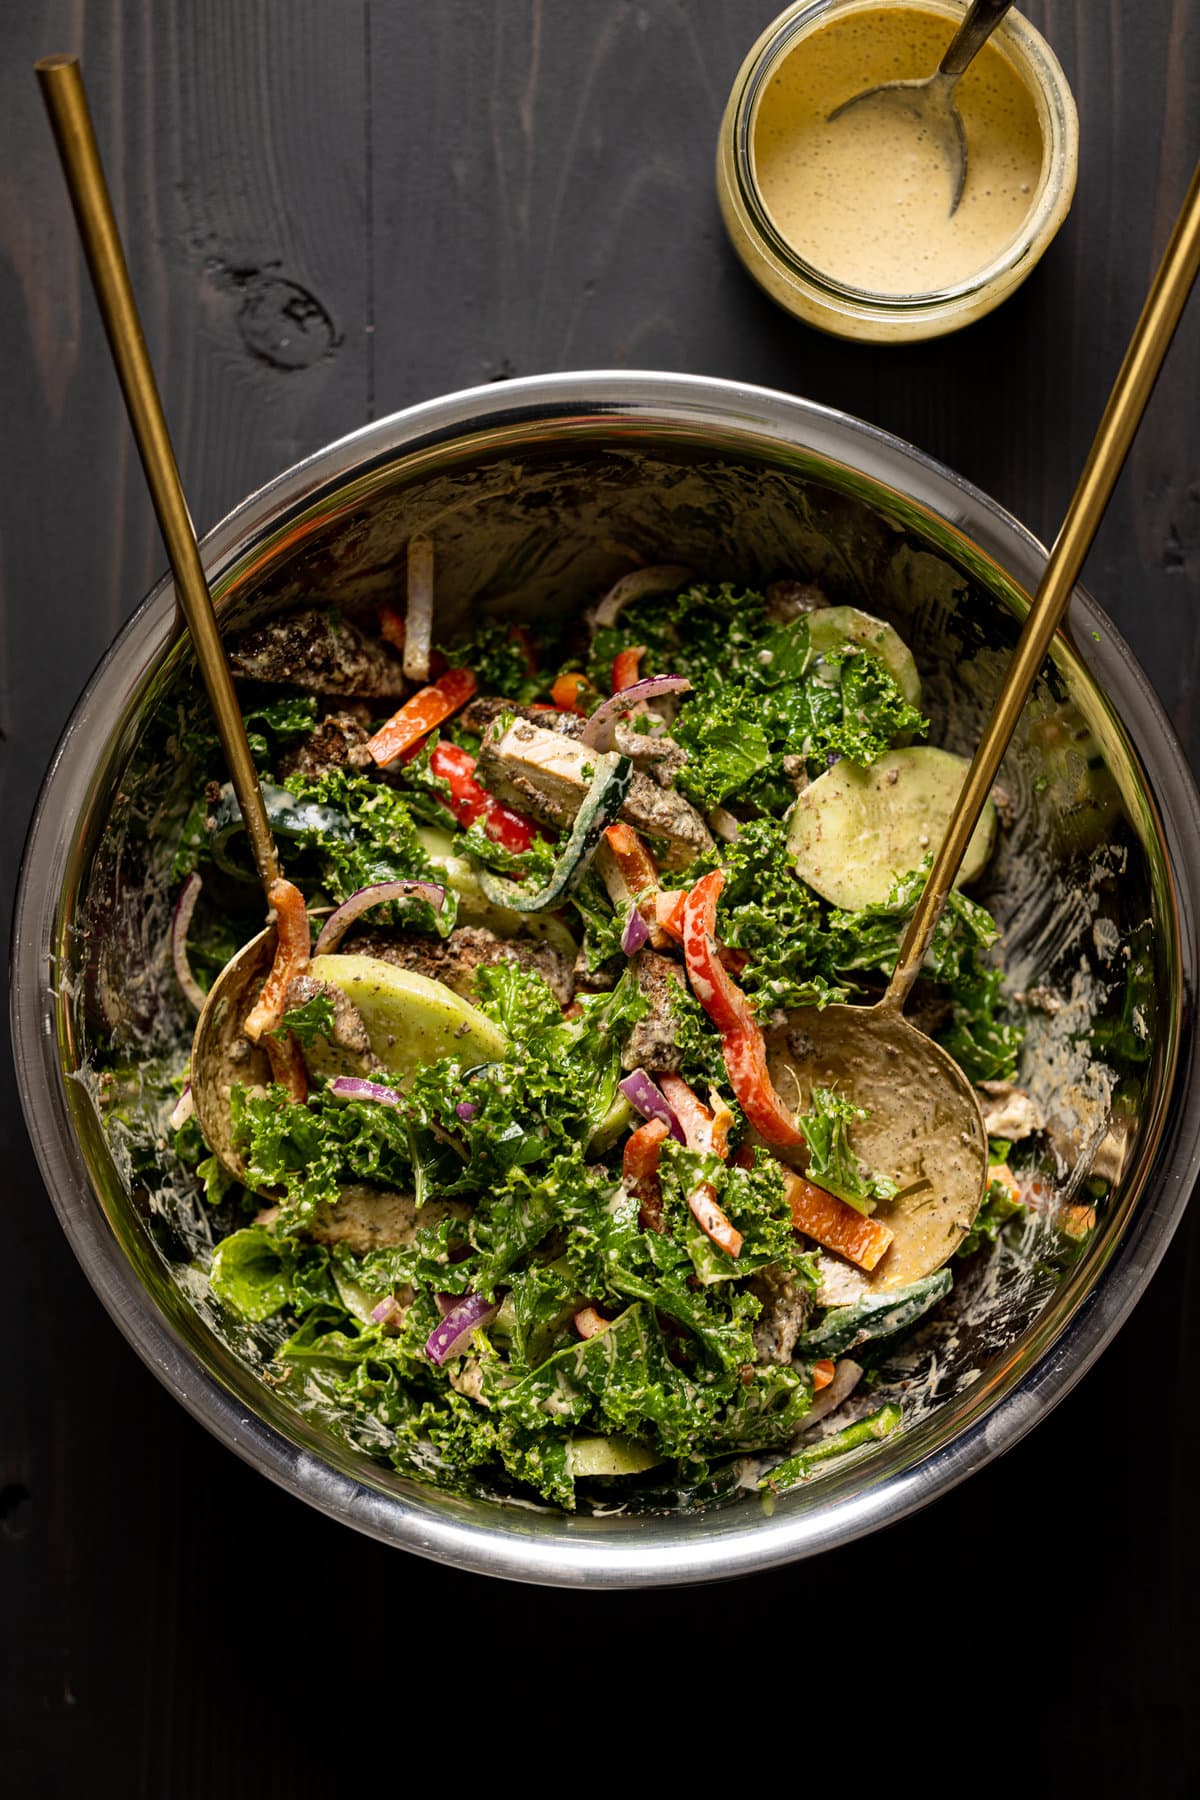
<point x="589" y="1323"/>
<point x="292" y="944"/>
<point x="668" y="910"/>
<point x="287" y="1066"/>
<point x="833" y="1224"/>
<point x="420" y="715"/>
<point x="822" y="1373"/>
<point x="639" y="1167"/>
<point x="630" y="874"/>
<point x="566" y="691"/>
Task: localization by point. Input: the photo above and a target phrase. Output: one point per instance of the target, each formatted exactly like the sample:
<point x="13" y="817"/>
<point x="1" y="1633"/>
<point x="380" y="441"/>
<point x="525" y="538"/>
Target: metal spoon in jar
<point x="66" y="101"/>
<point x="925" y="1128"/>
<point x="929" y="102"/>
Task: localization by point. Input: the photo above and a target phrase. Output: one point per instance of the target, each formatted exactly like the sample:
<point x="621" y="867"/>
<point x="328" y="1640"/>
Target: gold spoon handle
<point x="66" y="102"/>
<point x="972" y="35"/>
<point x="1110" y="446"/>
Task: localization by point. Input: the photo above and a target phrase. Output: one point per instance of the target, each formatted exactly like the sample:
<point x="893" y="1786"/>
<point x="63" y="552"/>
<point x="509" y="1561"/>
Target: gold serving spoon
<point x="928" y="104"/>
<point x="66" y="101"/>
<point x="925" y="1127"/>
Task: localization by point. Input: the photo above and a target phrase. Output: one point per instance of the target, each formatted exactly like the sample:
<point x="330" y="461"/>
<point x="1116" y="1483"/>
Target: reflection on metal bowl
<point x="540" y="493"/>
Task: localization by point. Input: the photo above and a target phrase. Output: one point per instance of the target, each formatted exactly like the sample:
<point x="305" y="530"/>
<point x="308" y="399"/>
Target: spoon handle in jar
<point x="66" y="102"/>
<point x="972" y="35"/>
<point x="1110" y="446"/>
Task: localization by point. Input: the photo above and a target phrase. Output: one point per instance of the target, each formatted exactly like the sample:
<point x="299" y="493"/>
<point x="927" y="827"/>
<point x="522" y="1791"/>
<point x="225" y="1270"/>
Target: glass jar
<point x="815" y="295"/>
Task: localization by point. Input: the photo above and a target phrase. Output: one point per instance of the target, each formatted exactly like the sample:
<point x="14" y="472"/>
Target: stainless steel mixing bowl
<point x="539" y="493"/>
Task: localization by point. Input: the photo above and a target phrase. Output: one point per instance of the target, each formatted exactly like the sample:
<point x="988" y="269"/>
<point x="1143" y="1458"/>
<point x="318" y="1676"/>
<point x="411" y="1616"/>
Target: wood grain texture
<point x="335" y="208"/>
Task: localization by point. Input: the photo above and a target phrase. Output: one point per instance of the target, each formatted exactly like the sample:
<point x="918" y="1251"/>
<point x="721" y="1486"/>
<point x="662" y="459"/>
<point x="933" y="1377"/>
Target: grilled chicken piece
<point x="1009" y="1112"/>
<point x="338" y="742"/>
<point x="785" y="1310"/>
<point x="367" y="1218"/>
<point x="320" y="652"/>
<point x="347" y="1049"/>
<point x="651" y="1044"/>
<point x="454" y="960"/>
<point x="786" y="600"/>
<point x="546" y="774"/>
<point x="659" y="757"/>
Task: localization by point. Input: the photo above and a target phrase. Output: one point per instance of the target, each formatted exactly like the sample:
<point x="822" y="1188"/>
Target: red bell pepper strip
<point x="293" y="941"/>
<point x="392" y="627"/>
<point x="420" y="715"/>
<point x="523" y="638"/>
<point x="834" y="1225"/>
<point x="566" y="691"/>
<point x="469" y="801"/>
<point x="625" y="667"/>
<point x="742" y="1043"/>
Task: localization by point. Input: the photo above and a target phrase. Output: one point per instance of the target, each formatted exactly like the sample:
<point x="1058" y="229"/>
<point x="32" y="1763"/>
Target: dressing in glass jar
<point x="847" y="222"/>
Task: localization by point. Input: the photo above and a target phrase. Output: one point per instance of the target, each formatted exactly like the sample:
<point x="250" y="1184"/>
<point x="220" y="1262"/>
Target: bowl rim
<point x="705" y="1549"/>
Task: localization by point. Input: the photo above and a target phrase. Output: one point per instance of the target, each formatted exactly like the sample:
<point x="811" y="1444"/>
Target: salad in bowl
<point x="513" y="1159"/>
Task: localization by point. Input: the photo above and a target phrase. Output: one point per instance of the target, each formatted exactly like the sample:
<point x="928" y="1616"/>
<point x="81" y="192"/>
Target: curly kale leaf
<point x="257" y="1274"/>
<point x="310" y="1152"/>
<point x="499" y="658"/>
<point x="314" y="1019"/>
<point x="832" y="1163"/>
<point x="380" y="843"/>
<point x="766" y="910"/>
<point x="518" y="999"/>
<point x="753" y="1200"/>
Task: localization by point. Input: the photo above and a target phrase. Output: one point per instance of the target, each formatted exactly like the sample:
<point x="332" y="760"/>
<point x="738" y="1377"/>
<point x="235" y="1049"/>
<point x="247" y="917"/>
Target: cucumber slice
<point x="875" y="1316"/>
<point x="461" y="875"/>
<point x="831" y="626"/>
<point x="608" y="1456"/>
<point x="598" y="808"/>
<point x="855" y="830"/>
<point x="410" y="1019"/>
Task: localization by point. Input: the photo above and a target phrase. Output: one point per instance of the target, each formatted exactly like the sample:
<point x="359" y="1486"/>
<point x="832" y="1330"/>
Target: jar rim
<point x="1039" y="70"/>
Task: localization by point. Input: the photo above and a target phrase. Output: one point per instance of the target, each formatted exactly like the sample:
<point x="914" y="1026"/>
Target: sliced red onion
<point x="645" y="1098"/>
<point x="635" y="933"/>
<point x="388" y="1312"/>
<point x="418" y="618"/>
<point x="185" y="1106"/>
<point x="451" y="1337"/>
<point x="598" y="733"/>
<point x="181" y="920"/>
<point x="339" y="922"/>
<point x="466" y="1109"/>
<point x="353" y="1087"/>
<point x="663" y="578"/>
<point x="846" y="1378"/>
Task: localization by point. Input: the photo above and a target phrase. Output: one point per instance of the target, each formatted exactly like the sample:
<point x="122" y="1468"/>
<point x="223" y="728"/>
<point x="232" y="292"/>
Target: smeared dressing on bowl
<point x="865" y="198"/>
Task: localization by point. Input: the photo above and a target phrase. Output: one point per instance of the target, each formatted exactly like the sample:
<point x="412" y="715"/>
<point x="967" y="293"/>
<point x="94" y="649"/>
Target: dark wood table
<point x="337" y="207"/>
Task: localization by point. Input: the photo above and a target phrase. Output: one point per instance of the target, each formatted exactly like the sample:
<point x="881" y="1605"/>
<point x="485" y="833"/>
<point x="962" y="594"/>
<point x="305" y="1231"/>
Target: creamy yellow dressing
<point x="865" y="198"/>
